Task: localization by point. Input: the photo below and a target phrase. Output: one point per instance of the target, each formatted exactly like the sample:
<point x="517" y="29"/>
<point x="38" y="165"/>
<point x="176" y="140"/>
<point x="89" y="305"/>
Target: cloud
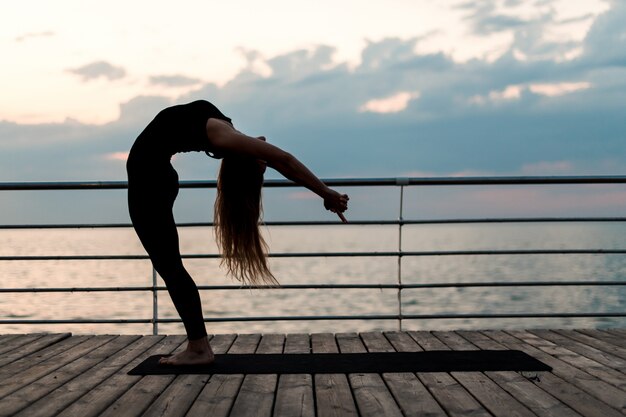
<point x="528" y="112"/>
<point x="539" y="31"/>
<point x="302" y="195"/>
<point x="487" y="18"/>
<point x="605" y="44"/>
<point x="116" y="156"/>
<point x="302" y="62"/>
<point x="174" y="80"/>
<point x="99" y="69"/>
<point x="535" y="201"/>
<point x="34" y="35"/>
<point x="558" y="89"/>
<point x="391" y="104"/>
<point x="514" y="92"/>
<point x="508" y="116"/>
<point x="511" y="92"/>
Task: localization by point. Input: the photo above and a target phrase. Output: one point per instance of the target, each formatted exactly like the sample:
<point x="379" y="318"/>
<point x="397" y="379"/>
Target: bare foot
<point x="198" y="352"/>
<point x="187" y="358"/>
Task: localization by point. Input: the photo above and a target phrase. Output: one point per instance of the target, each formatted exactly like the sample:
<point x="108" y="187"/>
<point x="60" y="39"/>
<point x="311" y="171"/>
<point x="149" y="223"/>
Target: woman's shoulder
<point x="208" y="109"/>
<point x="195" y="105"/>
<point x="202" y="104"/>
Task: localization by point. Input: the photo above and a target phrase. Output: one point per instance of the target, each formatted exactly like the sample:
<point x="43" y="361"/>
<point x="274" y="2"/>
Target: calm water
<point x="322" y="270"/>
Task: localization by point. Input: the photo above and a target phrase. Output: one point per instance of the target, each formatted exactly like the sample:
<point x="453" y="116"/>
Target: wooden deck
<point x="60" y="374"/>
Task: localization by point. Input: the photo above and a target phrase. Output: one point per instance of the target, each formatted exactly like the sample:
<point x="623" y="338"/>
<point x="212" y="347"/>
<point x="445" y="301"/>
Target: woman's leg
<point x="151" y="213"/>
<point x="185" y="296"/>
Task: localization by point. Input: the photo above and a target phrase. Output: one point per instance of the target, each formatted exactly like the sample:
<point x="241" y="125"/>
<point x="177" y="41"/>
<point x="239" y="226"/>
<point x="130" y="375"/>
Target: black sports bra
<point x="181" y="128"/>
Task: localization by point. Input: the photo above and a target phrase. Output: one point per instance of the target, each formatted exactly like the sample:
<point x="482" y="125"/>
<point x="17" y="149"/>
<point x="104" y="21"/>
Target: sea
<point x="325" y="270"/>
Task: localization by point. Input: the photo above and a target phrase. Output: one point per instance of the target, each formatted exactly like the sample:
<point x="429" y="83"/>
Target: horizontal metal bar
<point x="494" y="284"/>
<point x="325" y="317"/>
<point x="347" y="182"/>
<point x="74" y="321"/>
<point x="333" y="223"/>
<point x="407" y="316"/>
<point x="332" y="254"/>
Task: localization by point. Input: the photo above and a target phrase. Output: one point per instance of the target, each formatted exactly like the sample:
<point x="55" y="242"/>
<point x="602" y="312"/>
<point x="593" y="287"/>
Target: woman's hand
<point x="337" y="203"/>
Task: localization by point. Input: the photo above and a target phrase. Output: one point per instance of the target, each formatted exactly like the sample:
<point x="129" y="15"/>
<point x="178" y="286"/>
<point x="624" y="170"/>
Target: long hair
<point x="238" y="209"/>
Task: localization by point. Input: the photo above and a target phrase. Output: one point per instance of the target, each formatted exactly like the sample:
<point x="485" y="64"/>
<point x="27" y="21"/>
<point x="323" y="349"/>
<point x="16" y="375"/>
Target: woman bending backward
<point x="153" y="187"/>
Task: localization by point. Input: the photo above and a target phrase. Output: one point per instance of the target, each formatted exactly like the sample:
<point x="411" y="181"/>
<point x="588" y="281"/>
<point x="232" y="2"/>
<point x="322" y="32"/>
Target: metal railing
<point x="399" y="286"/>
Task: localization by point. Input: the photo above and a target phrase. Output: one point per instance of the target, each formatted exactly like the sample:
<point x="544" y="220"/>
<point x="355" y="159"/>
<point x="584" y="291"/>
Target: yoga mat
<point x="344" y="363"/>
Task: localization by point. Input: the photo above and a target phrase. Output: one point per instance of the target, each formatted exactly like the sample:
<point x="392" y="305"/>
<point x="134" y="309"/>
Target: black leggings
<point x="152" y="189"/>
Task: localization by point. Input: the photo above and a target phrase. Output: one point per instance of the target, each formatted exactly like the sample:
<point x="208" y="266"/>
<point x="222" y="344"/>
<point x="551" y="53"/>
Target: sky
<point x="353" y="89"/>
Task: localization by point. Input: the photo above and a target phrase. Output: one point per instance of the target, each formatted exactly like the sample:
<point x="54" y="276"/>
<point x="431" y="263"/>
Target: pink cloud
<point x="518" y="201"/>
<point x="116" y="156"/>
<point x="556" y="201"/>
<point x="302" y="195"/>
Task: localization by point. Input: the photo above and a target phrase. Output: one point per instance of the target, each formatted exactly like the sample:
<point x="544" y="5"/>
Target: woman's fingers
<point x="341" y="216"/>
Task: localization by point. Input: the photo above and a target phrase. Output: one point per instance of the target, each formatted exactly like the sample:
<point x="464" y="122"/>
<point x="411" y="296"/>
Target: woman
<point x="153" y="186"/>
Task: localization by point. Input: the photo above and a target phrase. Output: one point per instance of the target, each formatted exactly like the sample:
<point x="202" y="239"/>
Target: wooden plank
<point x="402" y="342"/>
<point x="245" y="343"/>
<point x="594" y="342"/>
<point x="222" y="343"/>
<point x="491" y="395"/>
<point x="452" y="396"/>
<point x="69" y="392"/>
<point x="333" y="396"/>
<point x="294" y="395"/>
<point x="39" y="370"/>
<point x="218" y="395"/>
<point x="21" y="340"/>
<point x="6" y="337"/>
<point x="256" y="394"/>
<point x="138" y="397"/>
<point x="606" y="336"/>
<point x="370" y="392"/>
<point x="19" y="347"/>
<point x="106" y="394"/>
<point x="537" y="400"/>
<point x="28" y="394"/>
<point x="612" y="361"/>
<point x="590" y="374"/>
<point x="454" y="341"/>
<point x="350" y="343"/>
<point x="18" y="363"/>
<point x="255" y="397"/>
<point x="180" y="395"/>
<point x="298" y="343"/>
<point x="324" y="343"/>
<point x="617" y="332"/>
<point x="564" y="387"/>
<point x="410" y="394"/>
<point x="271" y="343"/>
<point x="376" y="342"/>
<point x="427" y="341"/>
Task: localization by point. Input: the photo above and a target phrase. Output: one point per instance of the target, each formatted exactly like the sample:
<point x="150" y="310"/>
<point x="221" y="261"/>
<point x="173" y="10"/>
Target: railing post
<point x="401" y="182"/>
<point x="155" y="304"/>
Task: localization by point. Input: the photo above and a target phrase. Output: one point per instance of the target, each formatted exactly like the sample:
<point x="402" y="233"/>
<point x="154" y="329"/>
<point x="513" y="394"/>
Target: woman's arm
<point x="224" y="139"/>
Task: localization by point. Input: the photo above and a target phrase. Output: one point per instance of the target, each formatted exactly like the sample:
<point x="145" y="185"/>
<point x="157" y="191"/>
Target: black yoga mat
<point x="343" y="363"/>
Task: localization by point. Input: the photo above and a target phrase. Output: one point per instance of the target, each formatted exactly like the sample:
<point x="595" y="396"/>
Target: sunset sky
<point x="353" y="88"/>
